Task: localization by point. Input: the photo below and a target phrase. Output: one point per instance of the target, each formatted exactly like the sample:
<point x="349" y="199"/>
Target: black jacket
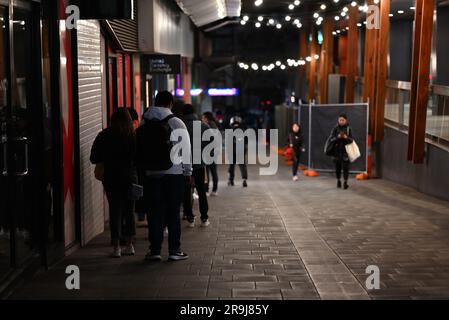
<point x="189" y="120"/>
<point x="117" y="153"/>
<point x="297" y="140"/>
<point x="340" y="153"/>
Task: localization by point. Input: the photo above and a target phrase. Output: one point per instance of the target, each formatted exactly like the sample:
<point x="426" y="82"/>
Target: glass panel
<point x="438" y="117"/>
<point x="397" y="107"/>
<point x="24" y="126"/>
<point x="51" y="224"/>
<point x="392" y="105"/>
<point x="4" y="225"/>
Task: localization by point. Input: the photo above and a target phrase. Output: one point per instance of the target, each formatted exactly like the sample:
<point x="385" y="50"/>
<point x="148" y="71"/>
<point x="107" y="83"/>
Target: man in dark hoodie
<point x="199" y="171"/>
<point x="237" y="124"/>
<point x="163" y="188"/>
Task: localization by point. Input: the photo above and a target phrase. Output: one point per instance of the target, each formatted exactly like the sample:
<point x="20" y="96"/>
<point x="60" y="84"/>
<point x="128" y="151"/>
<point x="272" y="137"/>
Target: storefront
<point x="31" y="223"/>
<point x="52" y="104"/>
<point x="165" y="32"/>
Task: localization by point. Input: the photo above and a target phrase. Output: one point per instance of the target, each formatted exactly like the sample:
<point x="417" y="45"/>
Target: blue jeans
<point x="163" y="196"/>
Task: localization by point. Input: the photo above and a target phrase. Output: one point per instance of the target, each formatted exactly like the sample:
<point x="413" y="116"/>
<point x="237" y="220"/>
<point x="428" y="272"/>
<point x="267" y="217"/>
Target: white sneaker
<point x="116" y="253"/>
<point x="207" y="194"/>
<point x="195" y="196"/>
<point x="214" y="194"/>
<point x="192" y="224"/>
<point x="129" y="251"/>
<point x="295" y="178"/>
<point x="178" y="256"/>
<point x="205" y="223"/>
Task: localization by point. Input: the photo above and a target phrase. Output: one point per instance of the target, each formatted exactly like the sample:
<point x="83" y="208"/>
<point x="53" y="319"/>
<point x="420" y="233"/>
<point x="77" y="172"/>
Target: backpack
<point x="154" y="145"/>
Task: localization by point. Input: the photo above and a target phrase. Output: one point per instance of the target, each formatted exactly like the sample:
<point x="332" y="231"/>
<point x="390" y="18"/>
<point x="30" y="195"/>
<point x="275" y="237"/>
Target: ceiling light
<point x="291" y="7"/>
<point x="258" y="3"/>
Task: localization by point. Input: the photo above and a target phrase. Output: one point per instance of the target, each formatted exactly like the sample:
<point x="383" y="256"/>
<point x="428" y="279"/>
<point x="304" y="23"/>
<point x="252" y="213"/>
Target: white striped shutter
<point x="91" y="123"/>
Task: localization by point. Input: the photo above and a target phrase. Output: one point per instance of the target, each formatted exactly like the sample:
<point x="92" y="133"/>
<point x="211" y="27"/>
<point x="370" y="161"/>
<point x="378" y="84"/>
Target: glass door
<point x="22" y="197"/>
<point x="5" y="240"/>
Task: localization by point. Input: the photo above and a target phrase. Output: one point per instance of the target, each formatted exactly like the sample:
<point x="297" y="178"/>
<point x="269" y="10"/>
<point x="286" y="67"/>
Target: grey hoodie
<point x="160" y="113"/>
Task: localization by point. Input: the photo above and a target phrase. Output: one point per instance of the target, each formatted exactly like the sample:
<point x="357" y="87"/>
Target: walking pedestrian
<point x="340" y="136"/>
<point x="236" y="124"/>
<point x="211" y="170"/>
<point x="296" y="141"/>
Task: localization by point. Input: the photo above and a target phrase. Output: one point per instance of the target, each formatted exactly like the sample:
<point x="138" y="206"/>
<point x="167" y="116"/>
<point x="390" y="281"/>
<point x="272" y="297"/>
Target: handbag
<point x="135" y="192"/>
<point x="329" y="147"/>
<point x="353" y="151"/>
<point x="289" y="154"/>
<point x="99" y="171"/>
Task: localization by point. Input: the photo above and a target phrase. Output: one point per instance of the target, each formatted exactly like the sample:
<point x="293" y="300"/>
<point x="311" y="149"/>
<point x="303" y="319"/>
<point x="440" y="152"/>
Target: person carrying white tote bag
<point x="353" y="151"/>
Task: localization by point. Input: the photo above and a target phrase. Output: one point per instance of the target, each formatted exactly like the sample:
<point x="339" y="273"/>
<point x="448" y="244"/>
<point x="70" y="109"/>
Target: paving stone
<point x="280" y="240"/>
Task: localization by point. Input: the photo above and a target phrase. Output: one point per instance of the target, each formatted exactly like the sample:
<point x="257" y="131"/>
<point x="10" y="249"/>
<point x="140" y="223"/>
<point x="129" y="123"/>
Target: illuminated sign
<point x="226" y="92"/>
<point x="161" y="64"/>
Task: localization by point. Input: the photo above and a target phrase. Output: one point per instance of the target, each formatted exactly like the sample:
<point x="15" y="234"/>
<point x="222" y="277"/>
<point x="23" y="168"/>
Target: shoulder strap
<point x="167" y="119"/>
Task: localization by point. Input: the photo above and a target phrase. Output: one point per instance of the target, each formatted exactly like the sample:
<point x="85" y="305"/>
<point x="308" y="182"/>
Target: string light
<point x="292" y="63"/>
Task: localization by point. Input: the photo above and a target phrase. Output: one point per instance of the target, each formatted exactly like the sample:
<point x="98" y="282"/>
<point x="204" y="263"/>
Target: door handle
<point x="5" y="156"/>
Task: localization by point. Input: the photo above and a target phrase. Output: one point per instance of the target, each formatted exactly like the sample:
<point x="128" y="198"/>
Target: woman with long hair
<point x="114" y="149"/>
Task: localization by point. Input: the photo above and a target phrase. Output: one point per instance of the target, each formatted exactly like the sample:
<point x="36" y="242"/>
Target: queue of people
<point x="136" y="166"/>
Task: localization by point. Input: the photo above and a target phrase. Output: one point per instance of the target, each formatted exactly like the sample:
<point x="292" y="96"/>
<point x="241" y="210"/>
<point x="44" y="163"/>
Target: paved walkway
<point x="281" y="240"/>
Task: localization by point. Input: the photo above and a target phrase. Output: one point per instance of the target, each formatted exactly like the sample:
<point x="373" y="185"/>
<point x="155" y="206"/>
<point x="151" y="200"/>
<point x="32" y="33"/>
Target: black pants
<point x="121" y="214"/>
<point x="199" y="176"/>
<point x="342" y="165"/>
<point x="243" y="171"/>
<point x="212" y="172"/>
<point x="296" y="164"/>
<point x="163" y="196"/>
